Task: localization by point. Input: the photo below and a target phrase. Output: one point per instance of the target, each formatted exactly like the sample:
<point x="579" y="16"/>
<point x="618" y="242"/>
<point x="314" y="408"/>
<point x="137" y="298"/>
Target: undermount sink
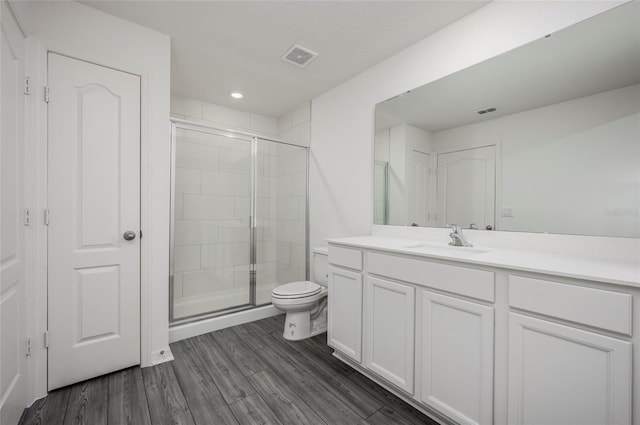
<point x="444" y="248"/>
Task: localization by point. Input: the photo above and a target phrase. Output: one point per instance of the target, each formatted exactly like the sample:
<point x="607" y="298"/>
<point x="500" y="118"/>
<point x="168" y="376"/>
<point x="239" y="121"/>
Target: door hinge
<point x="46" y="216"/>
<point x="27" y="217"/>
<point x="46" y="94"/>
<point x="27" y="85"/>
<point x="27" y="347"/>
<point x="45" y="339"/>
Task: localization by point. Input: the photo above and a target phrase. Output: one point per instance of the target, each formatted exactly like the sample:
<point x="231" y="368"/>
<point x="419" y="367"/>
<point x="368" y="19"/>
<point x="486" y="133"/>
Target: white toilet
<point x="305" y="302"/>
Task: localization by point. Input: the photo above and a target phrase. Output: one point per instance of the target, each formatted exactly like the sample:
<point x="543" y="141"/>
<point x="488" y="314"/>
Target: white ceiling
<point x="220" y="46"/>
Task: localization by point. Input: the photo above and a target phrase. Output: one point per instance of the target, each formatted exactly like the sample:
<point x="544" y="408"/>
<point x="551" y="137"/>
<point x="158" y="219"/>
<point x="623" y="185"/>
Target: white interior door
<point x="12" y="231"/>
<point x="467" y="187"/>
<point x="94" y="198"/>
<point x="419" y="201"/>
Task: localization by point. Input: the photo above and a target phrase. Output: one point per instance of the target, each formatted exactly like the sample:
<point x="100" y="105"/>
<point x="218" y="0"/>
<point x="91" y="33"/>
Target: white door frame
<point x="13" y="288"/>
<point x="36" y="189"/>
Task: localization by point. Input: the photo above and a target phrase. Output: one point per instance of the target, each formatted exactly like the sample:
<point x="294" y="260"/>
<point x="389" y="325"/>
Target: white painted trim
<point x="161" y="356"/>
<point x="189" y="330"/>
<point x="36" y="199"/>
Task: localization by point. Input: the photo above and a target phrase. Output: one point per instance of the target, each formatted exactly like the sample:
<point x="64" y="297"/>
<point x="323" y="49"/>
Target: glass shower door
<point x="211" y="207"/>
<point x="280" y="216"/>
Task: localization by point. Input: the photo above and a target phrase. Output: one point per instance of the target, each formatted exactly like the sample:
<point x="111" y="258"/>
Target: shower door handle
<point x="129" y="235"/>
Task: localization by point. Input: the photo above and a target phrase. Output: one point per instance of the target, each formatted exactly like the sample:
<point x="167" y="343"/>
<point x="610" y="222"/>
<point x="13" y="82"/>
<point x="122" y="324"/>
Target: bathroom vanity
<point x="482" y="336"/>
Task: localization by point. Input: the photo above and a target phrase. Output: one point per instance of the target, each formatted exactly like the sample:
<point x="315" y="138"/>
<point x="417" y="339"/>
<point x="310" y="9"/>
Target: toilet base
<point x="299" y="325"/>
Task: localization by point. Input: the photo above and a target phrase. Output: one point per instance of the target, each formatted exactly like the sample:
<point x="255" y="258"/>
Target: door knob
<point x="129" y="235"/>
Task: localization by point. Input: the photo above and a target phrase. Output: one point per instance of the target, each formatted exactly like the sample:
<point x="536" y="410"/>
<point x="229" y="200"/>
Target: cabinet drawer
<point x="458" y="280"/>
<point x="345" y="257"/>
<point x="593" y="307"/>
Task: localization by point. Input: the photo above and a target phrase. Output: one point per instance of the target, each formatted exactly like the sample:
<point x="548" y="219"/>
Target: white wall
<point x="343" y="118"/>
<point x="78" y="31"/>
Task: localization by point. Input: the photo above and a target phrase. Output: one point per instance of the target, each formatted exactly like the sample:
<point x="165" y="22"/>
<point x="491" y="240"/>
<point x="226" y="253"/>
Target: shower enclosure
<point x="381" y="192"/>
<point x="239" y="220"/>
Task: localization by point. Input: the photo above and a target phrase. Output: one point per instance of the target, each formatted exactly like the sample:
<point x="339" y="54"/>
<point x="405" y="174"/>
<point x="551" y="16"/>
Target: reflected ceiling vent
<point x="486" y="111"/>
<point x="299" y="56"/>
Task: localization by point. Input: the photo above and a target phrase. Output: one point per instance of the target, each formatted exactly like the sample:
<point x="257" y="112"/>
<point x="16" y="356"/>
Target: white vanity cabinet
<point x="559" y="373"/>
<point x="471" y="342"/>
<point x="389" y="331"/>
<point x="431" y="324"/>
<point x="344" y="326"/>
<point x="456" y="357"/>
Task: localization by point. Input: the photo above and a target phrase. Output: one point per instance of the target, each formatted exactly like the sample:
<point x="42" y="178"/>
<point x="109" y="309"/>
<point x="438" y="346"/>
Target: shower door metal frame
<point x="253" y="139"/>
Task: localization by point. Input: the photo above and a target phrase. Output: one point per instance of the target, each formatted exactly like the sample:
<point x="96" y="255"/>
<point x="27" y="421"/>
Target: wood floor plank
<point x="387" y="415"/>
<point x="203" y="397"/>
<point x="287" y="382"/>
<point x="332" y="409"/>
<point x="272" y="325"/>
<point x="320" y="343"/>
<point x="311" y="350"/>
<point x="127" y="398"/>
<point x="390" y="400"/>
<point x="252" y="334"/>
<point x="330" y="376"/>
<point x="285" y="403"/>
<point x="231" y="382"/>
<point x="48" y="410"/>
<point x="253" y="411"/>
<point x="88" y="402"/>
<point x="167" y="405"/>
<point x="240" y="353"/>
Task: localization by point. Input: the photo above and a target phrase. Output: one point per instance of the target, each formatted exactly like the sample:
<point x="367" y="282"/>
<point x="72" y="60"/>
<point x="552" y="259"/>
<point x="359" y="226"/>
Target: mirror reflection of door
<point x="420" y="199"/>
<point x="466" y="188"/>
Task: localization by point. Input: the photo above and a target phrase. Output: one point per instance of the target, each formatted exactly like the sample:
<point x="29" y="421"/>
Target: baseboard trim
<point x="161" y="356"/>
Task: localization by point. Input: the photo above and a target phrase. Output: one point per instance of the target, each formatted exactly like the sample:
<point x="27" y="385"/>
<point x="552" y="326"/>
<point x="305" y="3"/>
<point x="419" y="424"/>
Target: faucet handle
<point x="454" y="227"/>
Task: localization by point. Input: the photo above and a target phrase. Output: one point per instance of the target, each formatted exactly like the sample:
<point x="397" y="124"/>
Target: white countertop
<point x="577" y="267"/>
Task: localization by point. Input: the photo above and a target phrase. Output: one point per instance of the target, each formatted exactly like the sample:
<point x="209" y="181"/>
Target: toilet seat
<point x="296" y="290"/>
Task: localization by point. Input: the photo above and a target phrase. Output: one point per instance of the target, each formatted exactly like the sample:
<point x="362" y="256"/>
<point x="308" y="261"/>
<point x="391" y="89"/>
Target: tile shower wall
<point x="221" y="116"/>
<point x="212" y="207"/>
<point x="295" y="126"/>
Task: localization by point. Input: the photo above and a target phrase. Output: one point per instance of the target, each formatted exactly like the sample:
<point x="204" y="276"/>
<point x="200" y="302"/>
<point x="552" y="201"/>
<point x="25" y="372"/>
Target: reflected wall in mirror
<point x="545" y="138"/>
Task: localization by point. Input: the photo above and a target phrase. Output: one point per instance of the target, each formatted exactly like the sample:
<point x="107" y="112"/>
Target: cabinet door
<point x="563" y="375"/>
<point x="456" y="354"/>
<point x="389" y="331"/>
<point x="344" y="330"/>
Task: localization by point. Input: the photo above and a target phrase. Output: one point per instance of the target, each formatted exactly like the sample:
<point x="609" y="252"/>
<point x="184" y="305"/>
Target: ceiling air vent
<point x="299" y="56"/>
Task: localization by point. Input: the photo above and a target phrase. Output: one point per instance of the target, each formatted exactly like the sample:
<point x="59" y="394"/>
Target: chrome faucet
<point x="456" y="236"/>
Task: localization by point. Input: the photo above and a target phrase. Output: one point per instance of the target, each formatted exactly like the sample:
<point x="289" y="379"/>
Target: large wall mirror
<point x="545" y="138"/>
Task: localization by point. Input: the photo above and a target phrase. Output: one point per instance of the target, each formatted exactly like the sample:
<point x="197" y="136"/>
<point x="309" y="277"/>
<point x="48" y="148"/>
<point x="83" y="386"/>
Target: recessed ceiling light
<point x="236" y="95"/>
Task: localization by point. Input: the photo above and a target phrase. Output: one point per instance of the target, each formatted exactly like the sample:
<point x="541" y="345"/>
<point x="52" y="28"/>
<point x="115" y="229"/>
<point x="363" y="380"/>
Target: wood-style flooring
<point x="243" y="375"/>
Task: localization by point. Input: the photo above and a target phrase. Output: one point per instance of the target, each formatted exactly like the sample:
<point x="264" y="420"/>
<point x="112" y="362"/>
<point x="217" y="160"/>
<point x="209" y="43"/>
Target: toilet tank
<point x="320" y="258"/>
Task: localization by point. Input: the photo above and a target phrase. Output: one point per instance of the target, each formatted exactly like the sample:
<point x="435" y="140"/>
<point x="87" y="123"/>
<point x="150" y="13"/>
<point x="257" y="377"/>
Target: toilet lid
<point x="296" y="289"/>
